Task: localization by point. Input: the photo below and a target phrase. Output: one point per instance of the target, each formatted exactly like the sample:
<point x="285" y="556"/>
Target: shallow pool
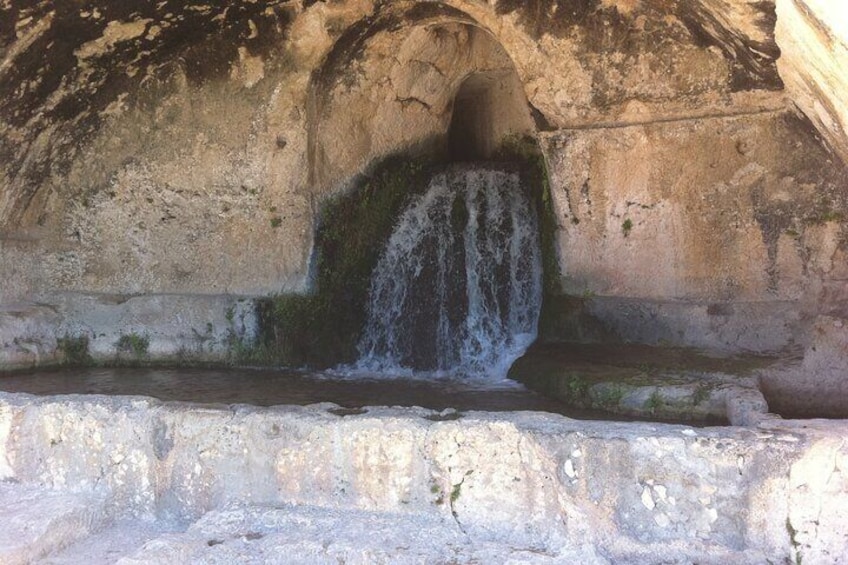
<point x="266" y="387"/>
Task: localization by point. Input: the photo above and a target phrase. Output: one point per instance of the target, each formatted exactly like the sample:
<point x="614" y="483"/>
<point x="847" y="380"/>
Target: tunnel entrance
<point x="470" y="133"/>
<point x="487" y="108"/>
<point x="444" y="90"/>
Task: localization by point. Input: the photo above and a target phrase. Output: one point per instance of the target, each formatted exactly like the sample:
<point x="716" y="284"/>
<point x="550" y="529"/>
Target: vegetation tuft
<point x="134" y="344"/>
<point x="74" y="350"/>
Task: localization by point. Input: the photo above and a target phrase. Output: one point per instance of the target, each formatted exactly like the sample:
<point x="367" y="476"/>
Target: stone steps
<point x="35" y="521"/>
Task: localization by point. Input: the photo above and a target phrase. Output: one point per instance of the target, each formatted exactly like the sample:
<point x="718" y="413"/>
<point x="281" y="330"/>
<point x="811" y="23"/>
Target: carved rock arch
<point x="390" y="83"/>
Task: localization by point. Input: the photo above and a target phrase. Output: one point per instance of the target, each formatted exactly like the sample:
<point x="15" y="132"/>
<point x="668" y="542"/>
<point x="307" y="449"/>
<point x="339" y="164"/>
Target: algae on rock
<point x="321" y="329"/>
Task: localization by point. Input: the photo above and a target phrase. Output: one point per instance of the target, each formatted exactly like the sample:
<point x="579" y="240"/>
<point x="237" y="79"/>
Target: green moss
<point x="655" y="402"/>
<point x="607" y="397"/>
<point x="534" y="172"/>
<point x="576" y="387"/>
<point x="626" y="226"/>
<point x="74" y="350"/>
<point x="322" y="329"/>
<point x="134" y="344"/>
<point x="276" y="222"/>
<point x="455" y="492"/>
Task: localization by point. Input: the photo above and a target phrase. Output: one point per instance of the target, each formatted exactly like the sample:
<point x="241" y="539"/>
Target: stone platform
<point x="133" y="480"/>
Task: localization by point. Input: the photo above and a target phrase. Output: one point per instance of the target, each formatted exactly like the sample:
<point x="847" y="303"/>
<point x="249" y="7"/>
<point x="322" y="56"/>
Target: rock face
<point x="155" y="153"/>
<point x="143" y="160"/>
<point x="728" y="230"/>
<point x="539" y="487"/>
<point x="813" y="39"/>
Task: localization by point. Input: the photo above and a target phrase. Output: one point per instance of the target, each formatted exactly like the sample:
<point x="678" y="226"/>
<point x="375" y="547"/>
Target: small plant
<point x="702" y="394"/>
<point x="436" y="491"/>
<point x="276" y="222"/>
<point x="577" y="388"/>
<point x="455" y="492"/>
<point x="74" y="350"/>
<point x="626" y="226"/>
<point x="203" y="338"/>
<point x="609" y="397"/>
<point x="134" y="344"/>
<point x="655" y="403"/>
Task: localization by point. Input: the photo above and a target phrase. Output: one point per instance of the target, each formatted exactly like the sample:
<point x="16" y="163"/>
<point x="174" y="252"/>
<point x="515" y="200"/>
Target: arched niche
<point x="436" y="84"/>
<point x="488" y="107"/>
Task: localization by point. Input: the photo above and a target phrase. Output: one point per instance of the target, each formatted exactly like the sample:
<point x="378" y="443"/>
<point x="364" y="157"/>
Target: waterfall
<point x="457" y="290"/>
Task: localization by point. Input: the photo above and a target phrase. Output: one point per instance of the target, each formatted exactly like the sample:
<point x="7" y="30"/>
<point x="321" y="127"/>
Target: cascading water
<point x="458" y="289"/>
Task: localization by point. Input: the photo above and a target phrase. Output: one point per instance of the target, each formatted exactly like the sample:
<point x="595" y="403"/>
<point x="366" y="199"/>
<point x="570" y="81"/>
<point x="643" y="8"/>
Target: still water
<point x="267" y="387"/>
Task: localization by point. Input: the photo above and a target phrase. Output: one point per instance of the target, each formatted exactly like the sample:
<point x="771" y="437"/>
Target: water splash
<point x="458" y="289"/>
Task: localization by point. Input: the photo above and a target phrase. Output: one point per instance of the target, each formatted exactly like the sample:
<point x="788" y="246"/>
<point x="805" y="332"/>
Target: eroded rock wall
<point x="152" y="149"/>
<point x="813" y="39"/>
<point x="721" y="232"/>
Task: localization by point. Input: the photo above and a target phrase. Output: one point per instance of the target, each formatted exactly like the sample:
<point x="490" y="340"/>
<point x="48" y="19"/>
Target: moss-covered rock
<point x="321" y="329"/>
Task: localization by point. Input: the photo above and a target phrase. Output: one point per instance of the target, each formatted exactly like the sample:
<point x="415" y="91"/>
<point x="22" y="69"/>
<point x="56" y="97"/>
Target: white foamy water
<point x="458" y="289"/>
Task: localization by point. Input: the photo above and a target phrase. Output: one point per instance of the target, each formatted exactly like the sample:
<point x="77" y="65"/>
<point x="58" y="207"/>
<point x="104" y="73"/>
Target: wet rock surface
<point x="649" y="382"/>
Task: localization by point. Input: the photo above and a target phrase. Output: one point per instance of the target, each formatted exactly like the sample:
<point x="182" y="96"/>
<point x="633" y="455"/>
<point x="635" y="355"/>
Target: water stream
<point x="458" y="289"/>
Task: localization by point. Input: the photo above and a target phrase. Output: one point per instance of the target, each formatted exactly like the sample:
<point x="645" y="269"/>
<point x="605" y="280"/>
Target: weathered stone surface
<point x="176" y="328"/>
<point x="633" y="492"/>
<point x="648" y="382"/>
<point x="27" y="335"/>
<point x="817" y="385"/>
<point x="685" y="215"/>
<point x="142" y="159"/>
<point x="115" y="541"/>
<point x="813" y="40"/>
<point x="37" y="521"/>
<point x="302" y="534"/>
<point x="818" y="494"/>
<point x="681" y="231"/>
